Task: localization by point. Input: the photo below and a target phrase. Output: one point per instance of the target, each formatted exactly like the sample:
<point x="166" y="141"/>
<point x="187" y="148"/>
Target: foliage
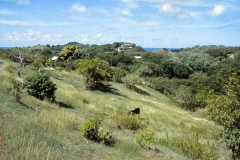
<point x="47" y="53"/>
<point x="67" y="52"/>
<point x="40" y="86"/>
<point x="189" y="145"/>
<point x="225" y="110"/>
<point x="134" y="82"/>
<point x="237" y="55"/>
<point x="40" y="61"/>
<point x="163" y="85"/>
<point x="90" y="129"/>
<point x="180" y="70"/>
<point x="146" y="138"/>
<point x="117" y="74"/>
<point x="213" y="83"/>
<point x="124" y="120"/>
<point x="16" y="88"/>
<point x="66" y="65"/>
<point x="156" y="58"/>
<point x="137" y="49"/>
<point x="220" y="51"/>
<point x="185" y="98"/>
<point x="145" y="71"/>
<point x="95" y="71"/>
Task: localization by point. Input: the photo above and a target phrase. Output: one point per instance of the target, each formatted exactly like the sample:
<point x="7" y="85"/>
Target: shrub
<point x="163" y="85"/>
<point x="125" y="121"/>
<point x="146" y="138"/>
<point x="40" y="86"/>
<point x="117" y="74"/>
<point x="91" y="130"/>
<point x="15" y="89"/>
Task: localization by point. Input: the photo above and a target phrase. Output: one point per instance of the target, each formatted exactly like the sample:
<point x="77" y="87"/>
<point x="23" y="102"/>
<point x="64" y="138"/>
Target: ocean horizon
<point x="169" y="49"/>
<point x="146" y="49"/>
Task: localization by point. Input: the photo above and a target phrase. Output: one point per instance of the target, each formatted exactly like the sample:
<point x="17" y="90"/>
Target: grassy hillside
<point x="34" y="129"/>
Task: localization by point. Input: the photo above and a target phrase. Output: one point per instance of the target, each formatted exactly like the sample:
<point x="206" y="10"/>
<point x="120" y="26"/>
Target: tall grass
<point x="34" y="129"/>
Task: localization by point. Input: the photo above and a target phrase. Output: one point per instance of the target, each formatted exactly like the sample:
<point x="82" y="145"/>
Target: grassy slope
<point x="34" y="129"/>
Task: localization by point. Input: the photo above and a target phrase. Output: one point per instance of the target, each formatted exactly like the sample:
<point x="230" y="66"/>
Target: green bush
<point x="91" y="130"/>
<point x="163" y="85"/>
<point x="127" y="121"/>
<point x="40" y="86"/>
<point x="146" y="138"/>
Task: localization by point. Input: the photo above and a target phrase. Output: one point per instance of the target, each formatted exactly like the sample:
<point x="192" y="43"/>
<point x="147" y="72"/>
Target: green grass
<point x="34" y="129"/>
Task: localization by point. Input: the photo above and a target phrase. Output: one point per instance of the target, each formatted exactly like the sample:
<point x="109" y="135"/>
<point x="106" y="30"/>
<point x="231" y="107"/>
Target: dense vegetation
<point x="199" y="79"/>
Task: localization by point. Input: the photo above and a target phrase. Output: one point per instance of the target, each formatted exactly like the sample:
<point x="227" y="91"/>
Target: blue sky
<point x="148" y="23"/>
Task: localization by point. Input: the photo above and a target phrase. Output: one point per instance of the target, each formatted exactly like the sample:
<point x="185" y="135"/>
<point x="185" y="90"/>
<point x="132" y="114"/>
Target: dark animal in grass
<point x="134" y="111"/>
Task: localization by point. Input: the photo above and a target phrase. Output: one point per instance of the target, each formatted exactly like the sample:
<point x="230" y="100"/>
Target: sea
<point x="146" y="49"/>
<point x="6" y="47"/>
<point x="169" y="49"/>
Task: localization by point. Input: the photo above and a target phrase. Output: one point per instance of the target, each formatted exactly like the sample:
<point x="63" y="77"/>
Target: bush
<point x="163" y="85"/>
<point x="146" y="138"/>
<point x="16" y="88"/>
<point x="40" y="86"/>
<point x="125" y="121"/>
<point x="91" y="130"/>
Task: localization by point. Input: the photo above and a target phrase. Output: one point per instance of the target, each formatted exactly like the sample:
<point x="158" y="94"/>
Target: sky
<point x="147" y="23"/>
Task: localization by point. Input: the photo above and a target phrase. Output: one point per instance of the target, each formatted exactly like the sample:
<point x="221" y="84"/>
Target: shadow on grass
<point x="108" y="89"/>
<point x="63" y="105"/>
<point x="24" y="105"/>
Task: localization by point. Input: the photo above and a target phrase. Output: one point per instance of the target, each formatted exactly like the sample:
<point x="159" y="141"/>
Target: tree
<point x="225" y="110"/>
<point x="181" y="71"/>
<point x="67" y="52"/>
<point x="40" y="61"/>
<point x="40" y="86"/>
<point x="94" y="71"/>
<point x="137" y="49"/>
<point x="23" y="56"/>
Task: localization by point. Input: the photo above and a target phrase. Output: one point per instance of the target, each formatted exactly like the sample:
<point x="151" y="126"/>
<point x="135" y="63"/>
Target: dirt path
<point x="1" y="140"/>
<point x="3" y="66"/>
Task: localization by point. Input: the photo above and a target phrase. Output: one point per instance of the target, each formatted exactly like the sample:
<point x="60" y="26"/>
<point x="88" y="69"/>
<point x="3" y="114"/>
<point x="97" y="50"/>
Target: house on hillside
<point x="125" y="47"/>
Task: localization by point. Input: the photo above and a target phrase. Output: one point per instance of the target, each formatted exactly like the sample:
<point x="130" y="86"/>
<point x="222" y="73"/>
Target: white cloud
<point x="130" y="4"/>
<point x="218" y="10"/>
<point x="182" y="15"/>
<point x="13" y="22"/>
<point x="5" y="12"/>
<point x="19" y="2"/>
<point x="167" y="7"/>
<point x="79" y="8"/>
<point x="122" y="12"/>
<point x="99" y="35"/>
<point x="195" y="14"/>
<point x="32" y="35"/>
<point x="25" y="2"/>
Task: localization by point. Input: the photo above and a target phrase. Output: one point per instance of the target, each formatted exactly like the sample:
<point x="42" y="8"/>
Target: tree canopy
<point x="67" y="52"/>
<point x="95" y="71"/>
